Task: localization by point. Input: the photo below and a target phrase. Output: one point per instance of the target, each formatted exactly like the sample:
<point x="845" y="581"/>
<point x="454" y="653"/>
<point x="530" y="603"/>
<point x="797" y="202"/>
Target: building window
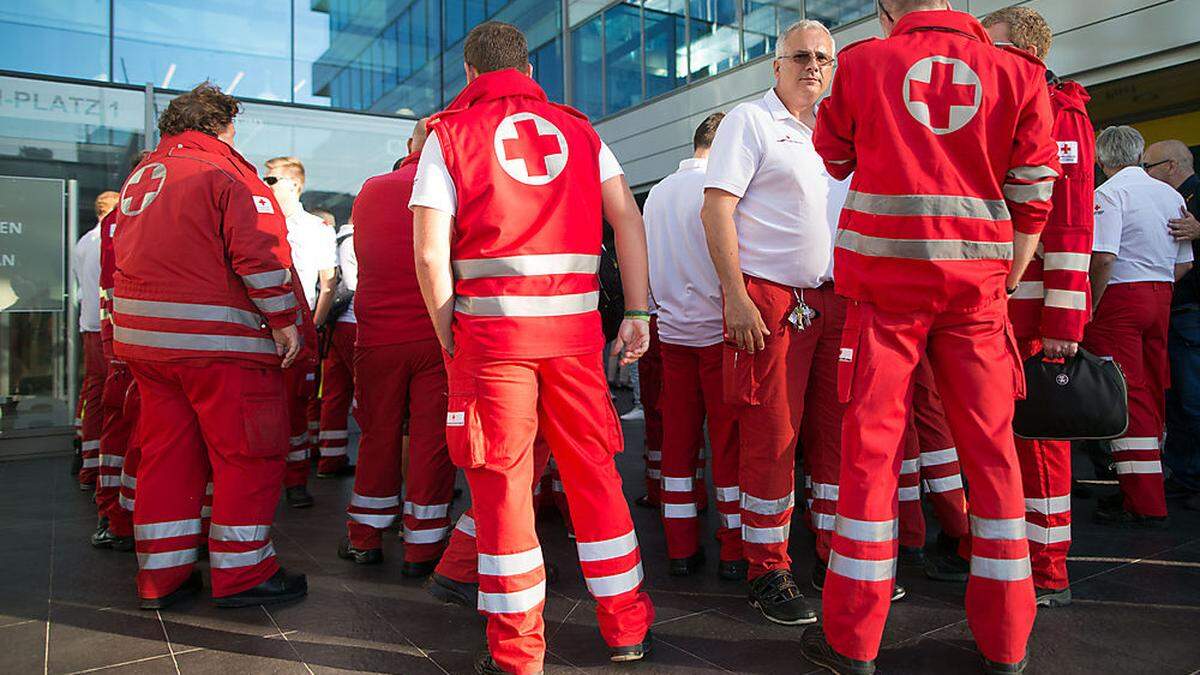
<point x="29" y="27"/>
<point x="838" y="12"/>
<point x="587" y="46"/>
<point x="762" y="22"/>
<point x="622" y="56"/>
<point x="715" y="44"/>
<point x="548" y="69"/>
<point x="666" y="46"/>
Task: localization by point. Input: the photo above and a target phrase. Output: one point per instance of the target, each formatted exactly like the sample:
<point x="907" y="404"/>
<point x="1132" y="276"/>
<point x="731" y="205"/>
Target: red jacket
<point x="388" y="304"/>
<point x="949" y="141"/>
<point x="1053" y="299"/>
<point x="526" y="245"/>
<point x="107" y="265"/>
<point x="203" y="269"/>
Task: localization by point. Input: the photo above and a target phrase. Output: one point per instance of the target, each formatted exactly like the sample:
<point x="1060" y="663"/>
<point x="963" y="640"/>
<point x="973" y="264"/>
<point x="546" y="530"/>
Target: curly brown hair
<point x="1026" y="29"/>
<point x="205" y="108"/>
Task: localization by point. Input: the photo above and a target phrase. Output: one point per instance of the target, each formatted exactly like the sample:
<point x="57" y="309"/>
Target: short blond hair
<point x="106" y="201"/>
<point x="292" y="167"/>
<point x="1026" y="29"/>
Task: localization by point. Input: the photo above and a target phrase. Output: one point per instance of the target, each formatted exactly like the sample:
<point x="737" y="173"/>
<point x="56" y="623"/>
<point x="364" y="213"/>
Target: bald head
<point x="1169" y="161"/>
<point x="419" y="134"/>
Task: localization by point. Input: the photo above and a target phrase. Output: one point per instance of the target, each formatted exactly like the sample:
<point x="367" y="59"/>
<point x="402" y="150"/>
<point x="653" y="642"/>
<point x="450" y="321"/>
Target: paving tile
<point x="82" y="638"/>
<point x="270" y="658"/>
<point x="24" y="646"/>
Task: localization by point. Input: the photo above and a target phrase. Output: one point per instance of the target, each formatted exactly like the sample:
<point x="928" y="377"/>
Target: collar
<point x="1131" y="172"/>
<point x="693" y="163"/>
<point x="942" y="19"/>
<point x="497" y="84"/>
<point x="775" y="105"/>
<point x="1189" y="187"/>
<point x="199" y="140"/>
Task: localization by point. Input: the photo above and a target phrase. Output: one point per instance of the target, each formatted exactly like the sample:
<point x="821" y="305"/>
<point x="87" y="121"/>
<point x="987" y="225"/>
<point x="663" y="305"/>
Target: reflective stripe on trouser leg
<point x="1138" y="463"/>
<point x="1046" y="477"/>
<point x="912" y="518"/>
<point x="375" y="501"/>
<point x="682" y="404"/>
<point x="337" y="392"/>
<point x="299" y="390"/>
<point x="650" y="384"/>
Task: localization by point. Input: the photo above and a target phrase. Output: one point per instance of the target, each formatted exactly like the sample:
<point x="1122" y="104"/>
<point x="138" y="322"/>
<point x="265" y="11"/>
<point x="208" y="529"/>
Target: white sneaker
<point x="634" y="415"/>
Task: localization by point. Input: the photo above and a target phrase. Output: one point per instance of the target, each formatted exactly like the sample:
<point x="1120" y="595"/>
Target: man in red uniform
<point x="337" y="369"/>
<point x="399" y="374"/>
<point x="89" y="416"/>
<point x="205" y="314"/>
<point x="949" y="141"/>
<point x="1051" y="306"/>
<point x="508" y="201"/>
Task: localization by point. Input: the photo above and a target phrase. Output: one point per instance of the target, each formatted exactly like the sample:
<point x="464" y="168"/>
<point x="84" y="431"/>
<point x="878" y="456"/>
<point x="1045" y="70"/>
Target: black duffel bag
<point x="1079" y="398"/>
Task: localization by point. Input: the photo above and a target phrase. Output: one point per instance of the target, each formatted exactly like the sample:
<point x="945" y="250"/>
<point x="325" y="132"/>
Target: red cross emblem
<point x="142" y="187"/>
<point x="530" y="148"/>
<point x="942" y="93"/>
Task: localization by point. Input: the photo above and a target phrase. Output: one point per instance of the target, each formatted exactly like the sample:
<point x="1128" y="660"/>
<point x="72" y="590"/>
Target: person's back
<point x="1140" y="207"/>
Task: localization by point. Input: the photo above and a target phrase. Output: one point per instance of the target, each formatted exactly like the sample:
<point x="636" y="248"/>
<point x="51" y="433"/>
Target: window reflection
<point x="715" y="43"/>
<point x="666" y="46"/>
<point x="838" y="12"/>
<point x="28" y="27"/>
<point x="587" y="48"/>
<point x="622" y="56"/>
<point x="763" y="22"/>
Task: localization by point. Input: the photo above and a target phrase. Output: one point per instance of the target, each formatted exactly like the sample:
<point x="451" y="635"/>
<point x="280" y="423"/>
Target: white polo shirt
<point x="314" y="248"/>
<point x="766" y="157"/>
<point x="682" y="278"/>
<point x="1132" y="210"/>
<point x="85" y="260"/>
<point x="348" y="267"/>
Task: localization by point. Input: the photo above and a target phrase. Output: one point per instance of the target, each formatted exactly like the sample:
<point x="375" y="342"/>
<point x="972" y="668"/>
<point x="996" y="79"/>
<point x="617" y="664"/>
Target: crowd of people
<point x="845" y="277"/>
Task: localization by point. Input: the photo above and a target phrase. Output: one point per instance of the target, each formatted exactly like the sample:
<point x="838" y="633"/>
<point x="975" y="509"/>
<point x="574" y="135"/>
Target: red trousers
<point x="1130" y="326"/>
<point x="91" y="406"/>
<point x="394" y="382"/>
<point x="220" y="419"/>
<point x="769" y="391"/>
<point x="1046" y="474"/>
<point x="977" y="368"/>
<point x="650" y="384"/>
<point x="114" y="441"/>
<point x="337" y="393"/>
<point x="496" y="409"/>
<point x="692" y="393"/>
<point x="299" y="383"/>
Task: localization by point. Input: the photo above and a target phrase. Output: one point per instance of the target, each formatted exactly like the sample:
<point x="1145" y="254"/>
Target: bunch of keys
<point x="802" y="316"/>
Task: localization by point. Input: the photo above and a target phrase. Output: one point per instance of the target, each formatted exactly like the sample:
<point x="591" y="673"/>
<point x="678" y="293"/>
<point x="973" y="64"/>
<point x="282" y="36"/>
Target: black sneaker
<point x="1048" y="597"/>
<point x="418" y="570"/>
<point x="816" y="649"/>
<point x="776" y="595"/>
<point x="1112" y="501"/>
<point x="104" y="538"/>
<point x="187" y="589"/>
<point x="898" y="592"/>
<point x="946" y="543"/>
<point x="732" y="570"/>
<point x="343" y="470"/>
<point x="1120" y="518"/>
<point x="452" y="592"/>
<point x="682" y="567"/>
<point x="993" y="668"/>
<point x="912" y="556"/>
<point x="298" y="497"/>
<point x="485" y="665"/>
<point x="360" y="556"/>
<point x="633" y="652"/>
<point x="281" y="587"/>
<point x="645" y="502"/>
<point x="1081" y="490"/>
<point x="947" y="567"/>
<point x="77" y="459"/>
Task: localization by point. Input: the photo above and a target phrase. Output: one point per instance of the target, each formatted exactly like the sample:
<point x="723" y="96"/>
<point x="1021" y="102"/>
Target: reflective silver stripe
<point x="731" y="521"/>
<point x="807" y="481"/>
<point x="514" y="602"/>
<point x="1048" y="535"/>
<point x="205" y="512"/>
<point x="1135" y="443"/>
<point x="999" y="529"/>
<point x="766" y="535"/>
<point x="615" y="584"/>
<point x="339" y="435"/>
<point x="867" y="530"/>
<point x="426" y="511"/>
<point x="594" y="551"/>
<point x="1061" y="299"/>
<point x="768" y="507"/>
<point x="113" y="461"/>
<point x="1023" y="194"/>
<point x="466" y="525"/>
<point x="679" y="510"/>
<point x="224" y="560"/>
<point x="927" y="205"/>
<point x="939" y="457"/>
<point x="239" y="532"/>
<point x="314" y="425"/>
<point x="825" y="491"/>
<point x="1070" y="262"/>
<point x="943" y="484"/>
<point x="839" y="162"/>
<point x="556" y="485"/>
<point x="528" y="305"/>
<point x="1048" y="506"/>
<point x="728" y="494"/>
<point x="378" y="521"/>
<point x="167" y="529"/>
<point x="333" y="451"/>
<point x="275" y="303"/>
<point x="187" y="312"/>
<point x="1001" y="569"/>
<point x="297" y="440"/>
<point x="125" y="503"/>
<point x="510" y="564"/>
<point x="89" y="446"/>
<point x="1029" y="290"/>
<point x="263" y="280"/>
<point x="862" y="570"/>
<point x="654" y="455"/>
<point x="160" y="561"/>
<point x="193" y="341"/>
<point x="923" y="249"/>
<point x="671" y="484"/>
<point x="128" y="481"/>
<point x="297" y="455"/>
<point x="91" y="463"/>
<point x="653" y="474"/>
<point x="110" y="481"/>
<point x="910" y="494"/>
<point x="526" y="265"/>
<point x="208" y="489"/>
<point x="1126" y="468"/>
<point x="1032" y="173"/>
<point x="428" y="536"/>
<point x="824" y="521"/>
<point x="910" y="465"/>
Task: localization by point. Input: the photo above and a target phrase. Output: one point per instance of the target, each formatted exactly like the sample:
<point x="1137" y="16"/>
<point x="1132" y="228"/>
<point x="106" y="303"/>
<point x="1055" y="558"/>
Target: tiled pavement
<point x="65" y="607"/>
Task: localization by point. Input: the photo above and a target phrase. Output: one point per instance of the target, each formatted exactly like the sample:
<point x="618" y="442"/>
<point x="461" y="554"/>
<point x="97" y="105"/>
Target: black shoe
<point x="898" y="592"/>
<point x="776" y="595"/>
<point x="77" y="460"/>
<point x="946" y="543"/>
<point x="1048" y="597"/>
<point x="298" y="497"/>
<point x="993" y="668"/>
<point x="645" y="502"/>
<point x="451" y="592"/>
<point x="732" y="570"/>
<point x="417" y="570"/>
<point x="344" y="470"/>
<point x="87" y="487"/>
<point x="1081" y="491"/>
<point x="816" y="648"/>
<point x="912" y="556"/>
<point x="1120" y="518"/>
<point x="360" y="556"/>
<point x="947" y="567"/>
<point x="282" y="587"/>
<point x="818" y="575"/>
<point x="633" y="652"/>
<point x="104" y="538"/>
<point x="187" y="589"/>
<point x="1112" y="501"/>
<point x="682" y="567"/>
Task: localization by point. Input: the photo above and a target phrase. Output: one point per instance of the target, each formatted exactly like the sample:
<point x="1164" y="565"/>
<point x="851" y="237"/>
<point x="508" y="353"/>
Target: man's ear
<point x="529" y="69"/>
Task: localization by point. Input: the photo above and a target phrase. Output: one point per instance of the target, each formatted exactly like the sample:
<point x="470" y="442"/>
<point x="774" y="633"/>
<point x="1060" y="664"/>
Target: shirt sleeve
<point x="1185" y="253"/>
<point x="1033" y="163"/>
<point x="609" y="166"/>
<point x="433" y="187"/>
<point x="834" y="136"/>
<point x="735" y="154"/>
<point x="328" y="246"/>
<point x="348" y="263"/>
<point x="1107" y="237"/>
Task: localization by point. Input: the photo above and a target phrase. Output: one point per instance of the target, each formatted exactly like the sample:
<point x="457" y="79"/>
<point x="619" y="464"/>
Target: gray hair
<point x="1119" y="147"/>
<point x="802" y="24"/>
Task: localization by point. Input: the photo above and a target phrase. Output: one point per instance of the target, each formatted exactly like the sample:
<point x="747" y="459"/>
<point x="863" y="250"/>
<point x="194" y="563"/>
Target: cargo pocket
<point x="464" y="431"/>
<point x="740" y="382"/>
<point x="849" y="352"/>
<point x="265" y="419"/>
<point x="1018" y="366"/>
<point x="614" y="435"/>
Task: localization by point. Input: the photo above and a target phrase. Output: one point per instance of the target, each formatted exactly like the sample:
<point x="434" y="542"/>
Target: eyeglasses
<point x="271" y="180"/>
<point x="1147" y="167"/>
<point x="802" y="58"/>
<point x="885" y="12"/>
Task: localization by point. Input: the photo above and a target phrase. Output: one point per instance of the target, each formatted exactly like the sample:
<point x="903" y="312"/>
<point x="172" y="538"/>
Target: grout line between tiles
<point x="49" y="590"/>
<point x="18" y="623"/>
<point x="694" y="656"/>
<point x="146" y="659"/>
<point x="285" y="639"/>
<point x="681" y="618"/>
<point x="562" y="623"/>
<point x="167" y="639"/>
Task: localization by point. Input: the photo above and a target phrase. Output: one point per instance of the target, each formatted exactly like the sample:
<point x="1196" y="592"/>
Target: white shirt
<point x="1132" y="210"/>
<point x="682" y="277"/>
<point x="766" y="157"/>
<point x="86" y="261"/>
<point x="433" y="186"/>
<point x="348" y="266"/>
<point x="314" y="248"/>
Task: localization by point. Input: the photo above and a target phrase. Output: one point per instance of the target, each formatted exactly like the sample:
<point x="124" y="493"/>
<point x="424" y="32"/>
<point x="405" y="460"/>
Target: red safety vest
<point x="526" y="244"/>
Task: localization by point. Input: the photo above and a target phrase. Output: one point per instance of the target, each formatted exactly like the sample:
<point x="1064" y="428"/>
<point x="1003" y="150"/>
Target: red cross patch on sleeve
<point x="263" y="204"/>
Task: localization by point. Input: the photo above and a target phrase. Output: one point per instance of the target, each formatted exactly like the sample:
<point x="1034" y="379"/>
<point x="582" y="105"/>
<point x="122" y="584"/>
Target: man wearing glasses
<point x="766" y="218"/>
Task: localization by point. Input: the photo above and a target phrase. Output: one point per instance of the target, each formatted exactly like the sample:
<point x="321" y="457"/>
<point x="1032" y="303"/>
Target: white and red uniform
<point x="337" y="370"/>
<point x="522" y="177"/>
<point x="688" y="295"/>
<point x="202" y="275"/>
<point x="1132" y="317"/>
<point x="650" y="387"/>
<point x="1053" y="301"/>
<point x="949" y="141"/>
<point x="86" y="264"/>
<point x="399" y="374"/>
